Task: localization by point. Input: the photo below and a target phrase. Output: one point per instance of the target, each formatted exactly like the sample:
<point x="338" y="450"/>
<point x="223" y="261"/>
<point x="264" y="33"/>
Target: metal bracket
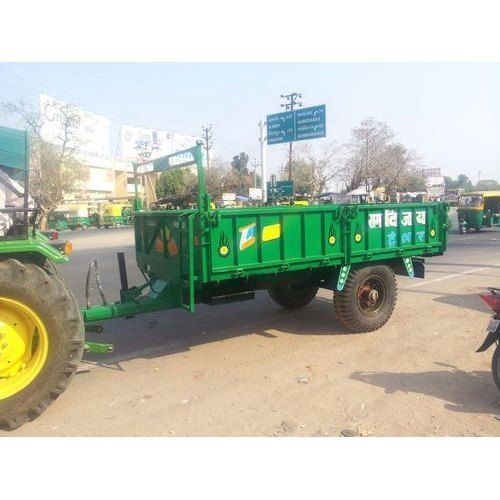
<point x="343" y="273"/>
<point x="98" y="348"/>
<point x="409" y="266"/>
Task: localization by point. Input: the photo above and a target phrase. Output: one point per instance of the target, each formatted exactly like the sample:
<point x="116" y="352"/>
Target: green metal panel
<point x="14" y="148"/>
<point x="253" y="241"/>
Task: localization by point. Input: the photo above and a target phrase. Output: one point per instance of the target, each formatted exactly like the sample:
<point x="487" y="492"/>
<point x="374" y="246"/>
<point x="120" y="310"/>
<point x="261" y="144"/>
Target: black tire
<point x="357" y="306"/>
<point x="293" y="296"/>
<point x="44" y="292"/>
<point x="495" y="367"/>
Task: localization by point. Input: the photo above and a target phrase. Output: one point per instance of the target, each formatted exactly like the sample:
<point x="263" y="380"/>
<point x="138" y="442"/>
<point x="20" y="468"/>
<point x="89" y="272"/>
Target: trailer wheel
<point x="367" y="300"/>
<point x="293" y="296"/>
<point x="41" y="343"/>
<point x="495" y="366"/>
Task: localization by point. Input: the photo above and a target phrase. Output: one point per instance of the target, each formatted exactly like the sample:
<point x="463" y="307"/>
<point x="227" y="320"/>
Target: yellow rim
<point x="224" y="250"/>
<point x="331" y="240"/>
<point x="357" y="238"/>
<point x="24" y="344"/>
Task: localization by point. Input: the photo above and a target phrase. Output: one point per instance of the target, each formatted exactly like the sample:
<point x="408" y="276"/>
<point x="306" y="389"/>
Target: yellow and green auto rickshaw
<point x="117" y="215"/>
<point x="478" y="209"/>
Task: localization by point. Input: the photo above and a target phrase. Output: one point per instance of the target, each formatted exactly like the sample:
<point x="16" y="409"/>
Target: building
<point x="109" y="176"/>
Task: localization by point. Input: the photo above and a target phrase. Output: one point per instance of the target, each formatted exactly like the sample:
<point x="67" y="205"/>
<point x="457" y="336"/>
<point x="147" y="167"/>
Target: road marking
<point x="447" y="277"/>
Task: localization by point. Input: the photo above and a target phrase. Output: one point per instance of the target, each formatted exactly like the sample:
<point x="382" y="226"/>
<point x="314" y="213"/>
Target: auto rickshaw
<point x="117" y="215"/>
<point x="478" y="209"/>
<point x="79" y="219"/>
<point x="57" y="221"/>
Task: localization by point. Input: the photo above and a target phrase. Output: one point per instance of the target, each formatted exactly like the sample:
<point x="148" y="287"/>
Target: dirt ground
<point x="253" y="369"/>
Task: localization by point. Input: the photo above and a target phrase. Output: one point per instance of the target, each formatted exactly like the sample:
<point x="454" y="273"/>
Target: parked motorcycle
<point x="493" y="329"/>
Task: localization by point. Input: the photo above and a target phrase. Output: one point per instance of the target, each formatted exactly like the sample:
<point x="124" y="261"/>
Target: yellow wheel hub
<point x="24" y="344"/>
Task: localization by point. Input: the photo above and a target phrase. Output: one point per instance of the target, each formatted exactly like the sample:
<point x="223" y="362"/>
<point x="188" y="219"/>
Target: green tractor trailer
<point x="201" y="255"/>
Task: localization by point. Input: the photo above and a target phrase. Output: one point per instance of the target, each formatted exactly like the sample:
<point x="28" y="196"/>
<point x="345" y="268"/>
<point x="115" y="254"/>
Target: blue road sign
<point x="280" y="128"/>
<point x="297" y="125"/>
<point x="310" y="123"/>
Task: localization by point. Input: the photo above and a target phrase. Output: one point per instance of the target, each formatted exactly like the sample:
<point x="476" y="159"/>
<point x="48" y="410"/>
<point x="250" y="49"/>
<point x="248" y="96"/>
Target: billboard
<point x="90" y="134"/>
<point x="135" y="140"/>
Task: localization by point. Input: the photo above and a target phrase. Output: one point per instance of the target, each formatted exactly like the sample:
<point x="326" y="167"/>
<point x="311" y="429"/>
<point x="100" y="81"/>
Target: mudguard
<point x="490" y="339"/>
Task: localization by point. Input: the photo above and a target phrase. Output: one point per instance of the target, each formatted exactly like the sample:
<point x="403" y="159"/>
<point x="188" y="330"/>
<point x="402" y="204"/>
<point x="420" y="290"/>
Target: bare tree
<point x="376" y="160"/>
<point x="312" y="170"/>
<point x="54" y="168"/>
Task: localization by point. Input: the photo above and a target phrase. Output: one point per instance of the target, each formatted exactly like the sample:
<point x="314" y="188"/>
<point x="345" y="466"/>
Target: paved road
<point x="252" y="368"/>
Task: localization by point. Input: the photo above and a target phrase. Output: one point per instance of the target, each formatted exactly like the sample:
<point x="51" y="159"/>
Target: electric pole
<point x="479" y="176"/>
<point x="293" y="100"/>
<point x="263" y="167"/>
<point x="208" y="139"/>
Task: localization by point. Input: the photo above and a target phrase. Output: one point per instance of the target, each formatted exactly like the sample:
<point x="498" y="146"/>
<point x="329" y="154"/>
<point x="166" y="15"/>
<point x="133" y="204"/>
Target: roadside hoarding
<point x="90" y="134"/>
<point x="135" y="140"/>
<point x="255" y="193"/>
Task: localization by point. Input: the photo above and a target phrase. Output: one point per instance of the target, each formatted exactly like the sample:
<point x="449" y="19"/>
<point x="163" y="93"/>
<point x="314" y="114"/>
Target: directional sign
<point x="280" y="128"/>
<point x="310" y="123"/>
<point x="280" y="189"/>
<point x="297" y="125"/>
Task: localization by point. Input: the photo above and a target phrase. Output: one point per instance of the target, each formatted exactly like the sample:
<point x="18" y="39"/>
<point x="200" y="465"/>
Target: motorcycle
<point x="493" y="329"/>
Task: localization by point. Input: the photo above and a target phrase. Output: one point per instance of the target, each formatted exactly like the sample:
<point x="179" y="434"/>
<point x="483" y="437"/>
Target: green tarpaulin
<point x="13" y="148"/>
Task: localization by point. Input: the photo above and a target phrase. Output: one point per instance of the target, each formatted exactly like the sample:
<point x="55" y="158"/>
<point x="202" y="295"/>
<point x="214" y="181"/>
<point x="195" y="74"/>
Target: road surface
<point x="254" y="369"/>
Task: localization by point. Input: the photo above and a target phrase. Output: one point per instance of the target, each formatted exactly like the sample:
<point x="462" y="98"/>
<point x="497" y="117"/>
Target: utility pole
<point x="254" y="163"/>
<point x="479" y="175"/>
<point x="293" y="100"/>
<point x="208" y="139"/>
<point x="263" y="169"/>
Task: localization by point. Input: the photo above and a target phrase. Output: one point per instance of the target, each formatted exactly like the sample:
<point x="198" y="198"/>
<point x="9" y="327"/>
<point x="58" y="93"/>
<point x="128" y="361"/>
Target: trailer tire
<point x="27" y="286"/>
<point x="368" y="299"/>
<point x="293" y="296"/>
<point x="495" y="366"/>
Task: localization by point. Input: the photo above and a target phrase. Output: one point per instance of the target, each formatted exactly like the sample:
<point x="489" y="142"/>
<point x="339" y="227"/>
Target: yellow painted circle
<point x="224" y="250"/>
<point x="331" y="240"/>
<point x="24" y="345"/>
<point x="357" y="238"/>
<point x="433" y="233"/>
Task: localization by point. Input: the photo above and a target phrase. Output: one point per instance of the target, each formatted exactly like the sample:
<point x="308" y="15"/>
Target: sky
<point x="449" y="113"/>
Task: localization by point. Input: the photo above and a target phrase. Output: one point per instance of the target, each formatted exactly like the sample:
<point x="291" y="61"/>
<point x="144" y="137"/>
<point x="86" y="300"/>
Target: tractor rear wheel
<point x="367" y="300"/>
<point x="41" y="340"/>
<point x="293" y="296"/>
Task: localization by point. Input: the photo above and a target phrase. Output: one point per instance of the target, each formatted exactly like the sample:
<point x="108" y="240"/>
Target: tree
<point x="240" y="163"/>
<point x="176" y="183"/>
<point x="462" y="181"/>
<point x="240" y="176"/>
<point x="55" y="168"/>
<point x="487" y="185"/>
<point x="312" y="170"/>
<point x="376" y="160"/>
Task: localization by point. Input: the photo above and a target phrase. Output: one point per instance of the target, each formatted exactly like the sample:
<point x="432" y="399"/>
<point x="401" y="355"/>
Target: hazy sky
<point x="448" y="112"/>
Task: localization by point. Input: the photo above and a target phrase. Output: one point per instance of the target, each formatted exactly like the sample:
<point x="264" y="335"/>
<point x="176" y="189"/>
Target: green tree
<point x="176" y="183"/>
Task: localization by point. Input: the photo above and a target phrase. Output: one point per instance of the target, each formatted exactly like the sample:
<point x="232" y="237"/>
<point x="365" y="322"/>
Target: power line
<point x="293" y="100"/>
